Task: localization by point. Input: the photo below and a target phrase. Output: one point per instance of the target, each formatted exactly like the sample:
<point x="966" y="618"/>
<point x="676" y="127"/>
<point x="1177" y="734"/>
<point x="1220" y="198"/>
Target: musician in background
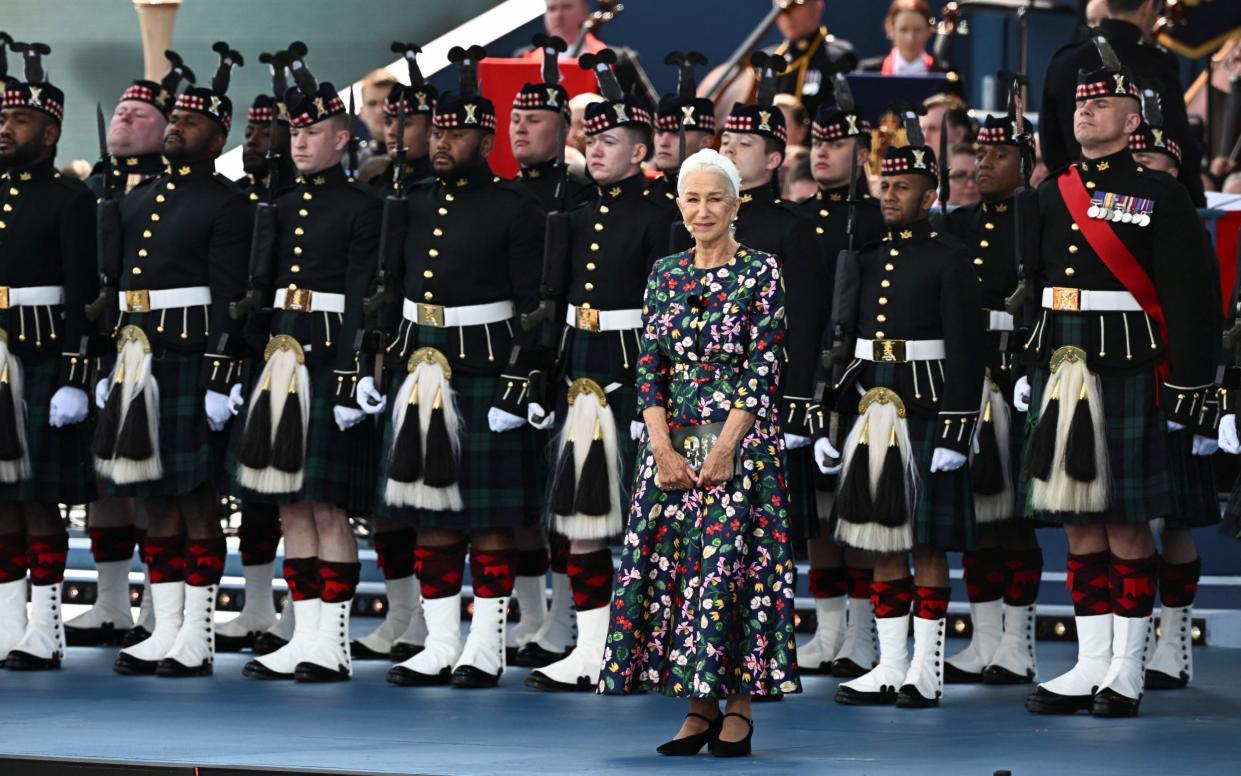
<point x="963" y="178"/>
<point x="564" y="19"/>
<point x="814" y="54"/>
<point x="908" y="26"/>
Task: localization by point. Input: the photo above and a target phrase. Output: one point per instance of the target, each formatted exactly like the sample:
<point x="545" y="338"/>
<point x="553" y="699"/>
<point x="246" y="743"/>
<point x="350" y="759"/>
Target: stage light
<point x="958" y="626"/>
<point x="1060" y="629"/>
<point x="72" y="592"/>
<point x="223" y="600"/>
<point x="1196" y="634"/>
<point x="377" y="606"/>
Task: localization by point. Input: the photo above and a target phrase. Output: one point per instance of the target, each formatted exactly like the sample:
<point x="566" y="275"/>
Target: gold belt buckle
<point x="1066" y="299"/>
<point x="298" y="299"/>
<point x="138" y="301"/>
<point x="4" y="297"/>
<point x="888" y="351"/>
<point x="430" y="315"/>
<point x="587" y="319"/>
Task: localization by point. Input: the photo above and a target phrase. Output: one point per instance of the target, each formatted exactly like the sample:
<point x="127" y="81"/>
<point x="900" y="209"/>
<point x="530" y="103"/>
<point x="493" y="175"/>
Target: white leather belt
<point x="143" y="301"/>
<point x="1080" y="300"/>
<point x="31" y="296"/>
<point x="894" y="351"/>
<point x="303" y="300"/>
<point x="439" y="316"/>
<point x="590" y="319"/>
<point x="999" y="320"/>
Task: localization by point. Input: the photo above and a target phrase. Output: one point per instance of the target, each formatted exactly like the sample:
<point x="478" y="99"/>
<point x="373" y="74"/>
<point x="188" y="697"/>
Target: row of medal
<point x="1121" y="209"/>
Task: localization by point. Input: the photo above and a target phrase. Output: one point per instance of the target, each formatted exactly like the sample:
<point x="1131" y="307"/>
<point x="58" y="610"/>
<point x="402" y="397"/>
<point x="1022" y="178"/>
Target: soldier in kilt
<point x="754" y="140"/>
<point x="46" y="276"/>
<point x="458" y="462"/>
<point x="1121" y="353"/>
<point x="843" y="643"/>
<point x="1195" y="494"/>
<point x="135" y="144"/>
<point x="910" y="397"/>
<point x="1002" y="574"/>
<point x="259" y="533"/>
<point x="308" y="446"/>
<point x="403" y="630"/>
<point x="178" y="257"/>
<point x="612" y="244"/>
<point x="539" y="117"/>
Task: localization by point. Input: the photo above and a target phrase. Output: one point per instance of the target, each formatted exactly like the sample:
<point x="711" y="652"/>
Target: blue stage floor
<point x="86" y="711"/>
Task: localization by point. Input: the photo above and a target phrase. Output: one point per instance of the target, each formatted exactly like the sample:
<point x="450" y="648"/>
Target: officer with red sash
<point x="1121" y="351"/>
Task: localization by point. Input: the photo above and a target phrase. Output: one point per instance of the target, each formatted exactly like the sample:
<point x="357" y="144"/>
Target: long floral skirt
<point x="703" y="606"/>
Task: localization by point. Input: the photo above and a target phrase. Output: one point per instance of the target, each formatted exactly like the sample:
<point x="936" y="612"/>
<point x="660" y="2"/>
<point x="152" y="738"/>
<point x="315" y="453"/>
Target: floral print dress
<point x="703" y="606"/>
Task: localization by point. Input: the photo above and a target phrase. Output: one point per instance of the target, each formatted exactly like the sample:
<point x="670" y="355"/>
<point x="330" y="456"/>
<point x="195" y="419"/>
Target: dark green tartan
<point x="944" y="511"/>
<point x="1136" y="441"/>
<point x="501" y="475"/>
<point x="61" y="468"/>
<point x="340" y="465"/>
<point x="1195" y="494"/>
<point x="800" y="471"/>
<point x="190" y="454"/>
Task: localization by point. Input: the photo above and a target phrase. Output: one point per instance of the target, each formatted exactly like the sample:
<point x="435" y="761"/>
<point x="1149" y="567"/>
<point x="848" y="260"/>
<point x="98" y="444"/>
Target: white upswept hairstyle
<point x="710" y="159"/>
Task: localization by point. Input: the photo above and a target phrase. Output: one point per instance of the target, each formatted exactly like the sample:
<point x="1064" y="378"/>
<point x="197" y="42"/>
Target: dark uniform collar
<point x="332" y="176"/>
<point x="759" y="196"/>
<point x="805" y="46"/>
<point x="541" y="170"/>
<point x="1118" y="164"/>
<point x="37" y="171"/>
<point x="633" y="186"/>
<point x="916" y="231"/>
<point x="998" y="207"/>
<point x="469" y="179"/>
<point x="142" y="164"/>
<point x="834" y="194"/>
<point x="203" y="168"/>
<point x="1117" y="31"/>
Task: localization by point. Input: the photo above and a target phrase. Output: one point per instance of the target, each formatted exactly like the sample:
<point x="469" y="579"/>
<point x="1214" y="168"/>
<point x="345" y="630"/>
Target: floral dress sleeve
<point x="759" y="388"/>
<point x="653" y="366"/>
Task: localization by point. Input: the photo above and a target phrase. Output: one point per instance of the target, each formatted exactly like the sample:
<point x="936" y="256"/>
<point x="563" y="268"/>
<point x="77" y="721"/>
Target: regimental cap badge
<point x="919" y="158"/>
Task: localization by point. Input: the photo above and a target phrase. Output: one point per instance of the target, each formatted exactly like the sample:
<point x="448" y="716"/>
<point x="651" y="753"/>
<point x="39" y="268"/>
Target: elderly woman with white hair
<point x="703" y="607"/>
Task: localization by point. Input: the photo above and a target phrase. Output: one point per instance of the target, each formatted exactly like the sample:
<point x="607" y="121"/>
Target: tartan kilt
<point x="501" y="475"/>
<point x="1137" y="442"/>
<point x="588" y="355"/>
<point x="189" y="452"/>
<point x="61" y="468"/>
<point x="800" y="471"/>
<point x="1195" y="494"/>
<point x="944" y="510"/>
<point x="340" y="465"/>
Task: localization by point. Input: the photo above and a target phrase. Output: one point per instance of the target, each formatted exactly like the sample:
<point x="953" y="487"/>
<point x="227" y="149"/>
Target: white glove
<point x="218" y="413"/>
<point x="537" y="416"/>
<point x="370" y="399"/>
<point x="823" y="451"/>
<point x="235" y="399"/>
<point x="636" y="429"/>
<point x="347" y="417"/>
<point x="101" y="392"/>
<point x="500" y="421"/>
<point x="1021" y="394"/>
<point x="1228" y="441"/>
<point x="68" y="406"/>
<point x="945" y="460"/>
<point x="1174" y="426"/>
<point x="1204" y="445"/>
<point x="793" y="441"/>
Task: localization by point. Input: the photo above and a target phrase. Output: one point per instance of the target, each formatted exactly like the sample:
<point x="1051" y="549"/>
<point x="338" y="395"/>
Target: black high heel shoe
<point x="691" y="745"/>
<point x="722" y="748"/>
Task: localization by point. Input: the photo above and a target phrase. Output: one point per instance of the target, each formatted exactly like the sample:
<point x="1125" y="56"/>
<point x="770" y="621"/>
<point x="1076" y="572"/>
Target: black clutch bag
<point x="695" y="443"/>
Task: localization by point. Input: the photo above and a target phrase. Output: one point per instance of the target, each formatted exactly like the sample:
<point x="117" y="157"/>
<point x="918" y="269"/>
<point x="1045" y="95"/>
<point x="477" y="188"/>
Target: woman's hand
<point x="718" y="468"/>
<point x="672" y="471"/>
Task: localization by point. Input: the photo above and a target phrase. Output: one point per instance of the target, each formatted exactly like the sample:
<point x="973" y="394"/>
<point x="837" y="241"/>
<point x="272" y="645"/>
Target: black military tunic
<point x="475" y="239"/>
<point x="187" y="228"/>
<point x="812" y="62"/>
<point x="415" y="170"/>
<point x="664" y="190"/>
<point x="1125" y="348"/>
<point x="918" y="284"/>
<point x="47" y="238"/>
<point x="1151" y="66"/>
<point x="828" y="210"/>
<point x="541" y="179"/>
